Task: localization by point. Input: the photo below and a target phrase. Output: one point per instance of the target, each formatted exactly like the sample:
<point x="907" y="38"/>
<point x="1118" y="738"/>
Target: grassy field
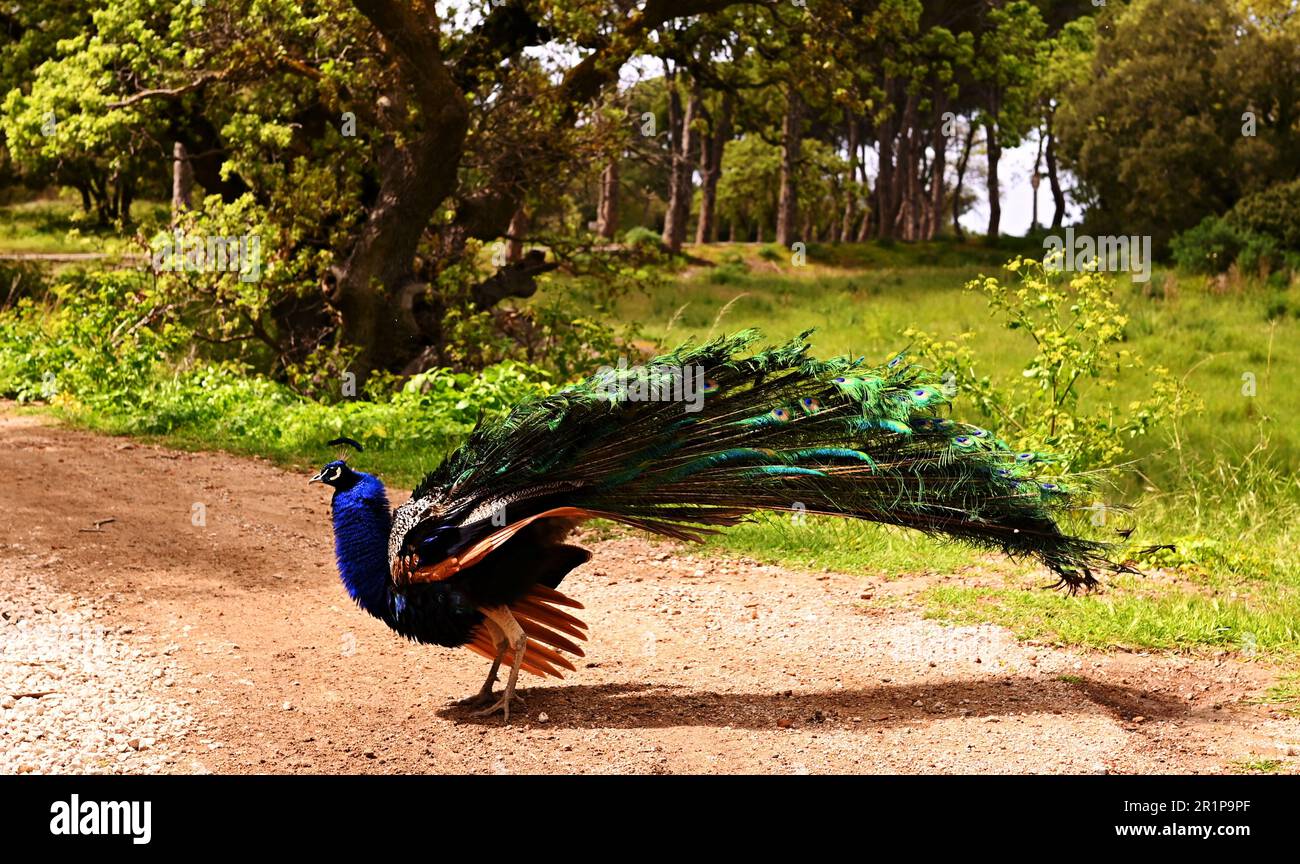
<point x="57" y="226"/>
<point x="1223" y="486"/>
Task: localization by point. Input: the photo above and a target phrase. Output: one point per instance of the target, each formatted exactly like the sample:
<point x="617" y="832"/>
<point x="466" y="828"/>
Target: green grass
<point x="1258" y="766"/>
<point x="1285" y="694"/>
<point x="1225" y="489"/>
<point x="1133" y="612"/>
<point x="837" y="544"/>
<point x="58" y="226"/>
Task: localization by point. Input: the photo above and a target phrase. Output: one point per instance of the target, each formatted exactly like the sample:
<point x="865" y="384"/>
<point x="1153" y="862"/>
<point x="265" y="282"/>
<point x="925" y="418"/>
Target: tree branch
<point x="171" y="93"/>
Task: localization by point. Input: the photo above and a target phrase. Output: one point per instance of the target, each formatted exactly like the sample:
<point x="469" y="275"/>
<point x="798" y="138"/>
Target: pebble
<point x="101" y="711"/>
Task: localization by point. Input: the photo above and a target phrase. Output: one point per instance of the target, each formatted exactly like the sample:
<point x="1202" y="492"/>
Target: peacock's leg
<point x="517" y="641"/>
<point x="485" y="695"/>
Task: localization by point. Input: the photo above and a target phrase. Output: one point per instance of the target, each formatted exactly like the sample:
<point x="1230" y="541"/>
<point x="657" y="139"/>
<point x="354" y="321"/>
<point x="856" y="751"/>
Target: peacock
<point x="687" y="444"/>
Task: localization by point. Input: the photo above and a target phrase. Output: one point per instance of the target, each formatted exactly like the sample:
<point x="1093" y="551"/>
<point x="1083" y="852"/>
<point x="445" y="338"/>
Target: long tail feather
<point x="776" y="430"/>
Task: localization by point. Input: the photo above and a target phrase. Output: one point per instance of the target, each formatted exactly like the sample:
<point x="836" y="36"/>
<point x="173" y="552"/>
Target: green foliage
<point x="1210" y="247"/>
<point x="747" y="190"/>
<point x="1273" y="212"/>
<point x="1061" y="402"/>
<point x="730" y="270"/>
<point x="1187" y="107"/>
<point x="1218" y="243"/>
<point x="642" y="237"/>
<point x="1007" y="63"/>
<point x="100" y="338"/>
<point x="106" y="353"/>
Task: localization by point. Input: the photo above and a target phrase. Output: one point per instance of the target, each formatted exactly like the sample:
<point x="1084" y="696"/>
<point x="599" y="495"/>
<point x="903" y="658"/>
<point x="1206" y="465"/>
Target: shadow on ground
<point x="653" y="706"/>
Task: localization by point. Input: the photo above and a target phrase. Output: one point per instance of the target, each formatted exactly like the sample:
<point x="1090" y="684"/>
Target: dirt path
<point x="232" y="648"/>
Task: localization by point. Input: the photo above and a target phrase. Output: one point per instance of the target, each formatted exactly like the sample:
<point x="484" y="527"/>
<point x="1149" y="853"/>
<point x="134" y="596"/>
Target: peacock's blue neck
<point x="362" y="519"/>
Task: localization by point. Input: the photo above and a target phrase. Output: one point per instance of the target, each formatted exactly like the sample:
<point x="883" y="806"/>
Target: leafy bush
<point x="642" y="237"/>
<point x="1260" y="234"/>
<point x="1274" y="212"/>
<point x="1076" y="332"/>
<point x="1210" y="247"/>
<point x="102" y="353"/>
<point x="730" y="270"/>
<point x="99" y="337"/>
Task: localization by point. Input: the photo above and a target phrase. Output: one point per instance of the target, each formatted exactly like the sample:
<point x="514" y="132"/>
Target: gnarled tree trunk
<point x="375" y="285"/>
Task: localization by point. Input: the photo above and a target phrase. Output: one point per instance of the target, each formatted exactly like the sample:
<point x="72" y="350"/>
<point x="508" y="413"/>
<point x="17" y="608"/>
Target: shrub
<point x="1274" y="212"/>
<point x="1210" y="247"/>
<point x="642" y="237"/>
<point x="102" y="351"/>
<point x="1059" y="402"/>
<point x="730" y="270"/>
<point x="19" y="279"/>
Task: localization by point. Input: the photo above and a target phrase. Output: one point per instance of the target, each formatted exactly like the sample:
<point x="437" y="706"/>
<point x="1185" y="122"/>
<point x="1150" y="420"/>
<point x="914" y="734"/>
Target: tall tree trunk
<point x="886" y="208"/>
<point x="182" y="181"/>
<point x="995" y="194"/>
<point x="962" y="162"/>
<point x="1034" y="179"/>
<point x="939" y="143"/>
<point x="850" y="182"/>
<point x="915" y="154"/>
<point x="680" y="187"/>
<point x="1058" y="195"/>
<point x="126" y="200"/>
<point x="787" y="211"/>
<point x="607" y="211"/>
<point x="84" y="188"/>
<point x="865" y="226"/>
<point x="711" y="151"/>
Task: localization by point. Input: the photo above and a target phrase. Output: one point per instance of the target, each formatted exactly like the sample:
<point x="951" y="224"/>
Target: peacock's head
<point x="337" y="473"/>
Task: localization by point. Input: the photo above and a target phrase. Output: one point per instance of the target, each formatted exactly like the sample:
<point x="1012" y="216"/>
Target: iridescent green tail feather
<point x="775" y="430"/>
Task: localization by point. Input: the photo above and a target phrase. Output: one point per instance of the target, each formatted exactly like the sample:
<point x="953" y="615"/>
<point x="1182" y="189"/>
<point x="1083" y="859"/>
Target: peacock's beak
<point x="319" y="478"/>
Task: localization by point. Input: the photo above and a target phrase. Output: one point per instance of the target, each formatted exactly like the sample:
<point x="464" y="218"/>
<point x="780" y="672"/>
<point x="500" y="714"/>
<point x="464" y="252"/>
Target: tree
<point x="1008" y="58"/>
<point x="1066" y="65"/>
<point x="1161" y="138"/>
<point x="452" y="126"/>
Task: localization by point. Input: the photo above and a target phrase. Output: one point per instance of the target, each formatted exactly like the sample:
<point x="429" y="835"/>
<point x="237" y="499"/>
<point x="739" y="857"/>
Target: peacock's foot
<point x="479" y="699"/>
<point x="502" y="705"/>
